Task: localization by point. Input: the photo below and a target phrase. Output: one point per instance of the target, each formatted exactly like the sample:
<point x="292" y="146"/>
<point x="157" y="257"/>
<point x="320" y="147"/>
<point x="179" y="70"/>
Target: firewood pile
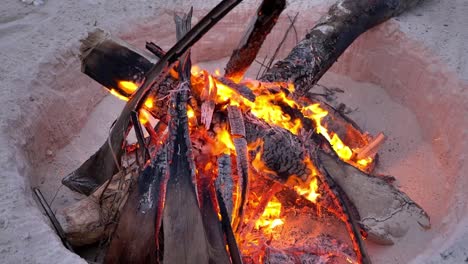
<point x="227" y="169"/>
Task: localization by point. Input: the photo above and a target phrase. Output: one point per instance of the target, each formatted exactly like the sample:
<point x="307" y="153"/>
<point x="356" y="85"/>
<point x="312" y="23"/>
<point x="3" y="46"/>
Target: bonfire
<point x="204" y="167"/>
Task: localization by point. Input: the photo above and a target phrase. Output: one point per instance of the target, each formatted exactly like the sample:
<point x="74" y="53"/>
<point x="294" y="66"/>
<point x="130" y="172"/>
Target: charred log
<point x="265" y="19"/>
<point x="330" y="37"/>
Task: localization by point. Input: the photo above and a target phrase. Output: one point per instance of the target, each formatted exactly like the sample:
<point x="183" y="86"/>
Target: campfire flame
<point x="270" y="218"/>
<point x="267" y="107"/>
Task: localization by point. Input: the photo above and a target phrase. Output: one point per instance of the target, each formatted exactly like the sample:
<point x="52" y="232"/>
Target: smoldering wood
<point x="227" y="228"/>
<point x="213" y="227"/>
<point x="330" y="37"/>
<point x="106" y="161"/>
<point x="224" y="182"/>
<point x="190" y="236"/>
<point x="236" y="122"/>
<point x="259" y="28"/>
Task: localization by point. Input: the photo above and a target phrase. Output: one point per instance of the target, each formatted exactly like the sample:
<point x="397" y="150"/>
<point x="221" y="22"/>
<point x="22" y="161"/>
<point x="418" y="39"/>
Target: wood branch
<point x="258" y="29"/>
<point x="103" y="164"/>
<point x="330" y="37"/>
<point x="386" y="212"/>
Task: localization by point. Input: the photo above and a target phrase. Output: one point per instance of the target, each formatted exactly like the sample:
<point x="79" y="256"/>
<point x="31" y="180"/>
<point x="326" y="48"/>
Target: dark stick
<point x="272" y="59"/>
<point x="58" y="228"/>
<point x="226" y="224"/>
<point x="265" y="19"/>
<point x="140" y="136"/>
<point x="155" y="49"/>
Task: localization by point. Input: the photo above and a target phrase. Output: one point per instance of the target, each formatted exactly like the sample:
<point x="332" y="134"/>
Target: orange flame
<point x="223" y="143"/>
<point x="270" y="217"/>
<point x="127" y="86"/>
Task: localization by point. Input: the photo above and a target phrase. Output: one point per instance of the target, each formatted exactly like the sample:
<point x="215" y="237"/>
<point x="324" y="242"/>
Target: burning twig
<point x="270" y="192"/>
<point x="372" y="147"/>
<point x="265" y="19"/>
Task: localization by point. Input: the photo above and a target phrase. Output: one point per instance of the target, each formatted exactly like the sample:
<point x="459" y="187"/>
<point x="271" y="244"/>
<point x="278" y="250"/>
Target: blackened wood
<point x="185" y="238"/>
<point x="211" y="222"/>
<point x="107" y="60"/>
<point x="260" y="26"/>
<point x="330" y="37"/>
<point x="134" y="238"/>
<point x="227" y="228"/>
<point x="102" y="165"/>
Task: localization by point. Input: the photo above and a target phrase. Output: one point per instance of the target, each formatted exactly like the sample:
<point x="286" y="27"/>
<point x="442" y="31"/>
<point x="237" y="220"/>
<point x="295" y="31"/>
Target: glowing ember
<point x="270" y="217"/>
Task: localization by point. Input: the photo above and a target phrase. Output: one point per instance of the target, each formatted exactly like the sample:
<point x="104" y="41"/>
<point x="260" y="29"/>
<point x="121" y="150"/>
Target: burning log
<point x="330" y="37"/>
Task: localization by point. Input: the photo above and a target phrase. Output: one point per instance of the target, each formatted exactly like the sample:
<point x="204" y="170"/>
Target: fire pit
<point x="370" y="105"/>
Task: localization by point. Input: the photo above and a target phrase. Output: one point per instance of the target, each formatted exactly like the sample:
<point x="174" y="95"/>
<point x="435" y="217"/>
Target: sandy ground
<point x="45" y="103"/>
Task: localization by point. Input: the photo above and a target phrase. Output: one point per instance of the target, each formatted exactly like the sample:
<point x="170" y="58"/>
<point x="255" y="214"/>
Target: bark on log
<point x="329" y="38"/>
<point x="258" y="29"/>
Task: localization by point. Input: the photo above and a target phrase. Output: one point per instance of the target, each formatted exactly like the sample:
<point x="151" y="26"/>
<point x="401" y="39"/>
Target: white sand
<point x="417" y="60"/>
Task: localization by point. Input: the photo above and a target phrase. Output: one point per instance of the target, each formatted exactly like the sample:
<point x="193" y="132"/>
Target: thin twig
<point x="272" y="59"/>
